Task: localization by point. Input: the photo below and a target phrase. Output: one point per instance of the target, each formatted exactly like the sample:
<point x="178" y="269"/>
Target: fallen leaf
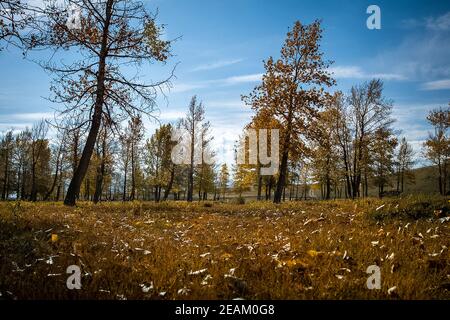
<point x="198" y="272"/>
<point x="392" y="290"/>
<point x="54" y="237"/>
<point x="314" y="253"/>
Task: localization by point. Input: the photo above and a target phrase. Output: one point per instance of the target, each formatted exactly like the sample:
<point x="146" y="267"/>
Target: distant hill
<point x="425" y="181"/>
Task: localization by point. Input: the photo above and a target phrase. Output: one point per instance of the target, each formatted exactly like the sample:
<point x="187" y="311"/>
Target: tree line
<point x="340" y="141"/>
<point x="124" y="166"/>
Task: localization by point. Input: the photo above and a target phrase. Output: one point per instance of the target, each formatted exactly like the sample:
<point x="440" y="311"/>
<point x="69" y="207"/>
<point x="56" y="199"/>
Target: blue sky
<point x="223" y="44"/>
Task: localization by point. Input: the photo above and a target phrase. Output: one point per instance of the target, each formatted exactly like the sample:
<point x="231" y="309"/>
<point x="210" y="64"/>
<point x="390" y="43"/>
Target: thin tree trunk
<point x="366" y="184"/>
<point x="402" y="180"/>
<point x="55" y="179"/>
<point x="5" y="176"/>
<point x="133" y="171"/>
<point x="33" y="196"/>
<point x="190" y="190"/>
<point x="259" y="183"/>
<point x="328" y="188"/>
<point x="18" y="183"/>
<point x="124" y="194"/>
<point x="100" y="171"/>
<point x="170" y="184"/>
<point x="282" y="177"/>
<point x="75" y="183"/>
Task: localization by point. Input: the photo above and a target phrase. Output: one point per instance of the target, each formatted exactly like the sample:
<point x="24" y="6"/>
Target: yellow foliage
<point x="314" y="253"/>
<point x="226" y="256"/>
<point x="54" y="237"/>
<point x="295" y="263"/>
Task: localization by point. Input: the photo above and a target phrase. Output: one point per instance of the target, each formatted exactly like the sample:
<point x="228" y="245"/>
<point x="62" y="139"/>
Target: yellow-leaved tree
<point x="292" y="90"/>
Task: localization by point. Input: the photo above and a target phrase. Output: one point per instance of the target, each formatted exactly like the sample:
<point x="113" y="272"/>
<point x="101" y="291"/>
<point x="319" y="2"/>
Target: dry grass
<point x="303" y="250"/>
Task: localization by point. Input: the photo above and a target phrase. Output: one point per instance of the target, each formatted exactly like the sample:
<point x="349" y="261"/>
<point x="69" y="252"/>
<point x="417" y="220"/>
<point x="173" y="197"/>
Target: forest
<point x="92" y="186"/>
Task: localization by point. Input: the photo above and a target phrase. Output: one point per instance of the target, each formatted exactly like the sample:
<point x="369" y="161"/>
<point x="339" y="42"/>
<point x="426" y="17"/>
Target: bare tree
<point x="357" y="119"/>
<point x="404" y="163"/>
<point x="58" y="158"/>
<point x="22" y="160"/>
<point x="6" y="151"/>
<point x="136" y="131"/>
<point x="103" y="153"/>
<point x="191" y="123"/>
<point x="125" y="147"/>
<point x="38" y="144"/>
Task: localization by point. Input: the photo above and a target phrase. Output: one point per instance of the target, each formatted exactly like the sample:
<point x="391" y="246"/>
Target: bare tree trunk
<point x="55" y="179"/>
<point x="124" y="195"/>
<point x="270" y="188"/>
<point x="402" y="181"/>
<point x="33" y="196"/>
<point x="259" y="183"/>
<point x="18" y="183"/>
<point x="50" y="191"/>
<point x="133" y="171"/>
<point x="266" y="191"/>
<point x="100" y="171"/>
<point x="75" y="183"/>
<point x="190" y="190"/>
<point x="170" y="184"/>
<point x="282" y="178"/>
<point x="5" y="176"/>
<point x="87" y="193"/>
<point x="155" y="194"/>
<point x="444" y="178"/>
<point x="441" y="191"/>
<point x="366" y="184"/>
<point x="328" y="188"/>
<point x="22" y="192"/>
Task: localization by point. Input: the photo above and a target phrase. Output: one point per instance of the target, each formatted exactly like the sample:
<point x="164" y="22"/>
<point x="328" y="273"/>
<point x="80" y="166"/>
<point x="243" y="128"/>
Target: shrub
<point x="239" y="200"/>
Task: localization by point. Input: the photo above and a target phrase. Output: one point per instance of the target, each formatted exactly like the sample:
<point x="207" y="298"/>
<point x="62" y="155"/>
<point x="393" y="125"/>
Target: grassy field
<point x="174" y="250"/>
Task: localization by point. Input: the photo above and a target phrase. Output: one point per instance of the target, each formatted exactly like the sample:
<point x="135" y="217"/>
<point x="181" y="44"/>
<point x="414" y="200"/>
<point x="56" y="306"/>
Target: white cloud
<point x="352" y="72"/>
<point x="184" y="87"/>
<point x="229" y="104"/>
<point x="436" y="85"/>
<point x="243" y="79"/>
<point x="355" y="72"/>
<point x="346" y="72"/>
<point x="421" y="56"/>
<point x="216" y="65"/>
<point x="441" y="23"/>
<point x="15" y="127"/>
<point x="411" y="120"/>
<point x="25" y="117"/>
